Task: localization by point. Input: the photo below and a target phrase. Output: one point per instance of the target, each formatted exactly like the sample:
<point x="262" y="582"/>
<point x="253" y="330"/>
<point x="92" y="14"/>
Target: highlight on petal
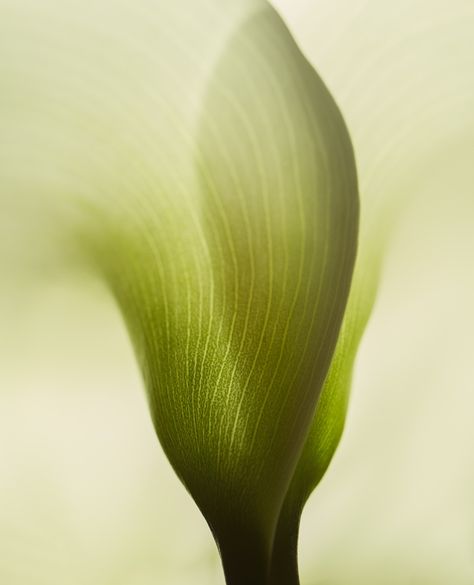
<point x="281" y="214"/>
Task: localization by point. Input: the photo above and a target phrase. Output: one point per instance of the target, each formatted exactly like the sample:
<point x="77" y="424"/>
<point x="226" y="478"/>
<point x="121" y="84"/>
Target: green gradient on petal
<point x="81" y="88"/>
<point x="234" y="280"/>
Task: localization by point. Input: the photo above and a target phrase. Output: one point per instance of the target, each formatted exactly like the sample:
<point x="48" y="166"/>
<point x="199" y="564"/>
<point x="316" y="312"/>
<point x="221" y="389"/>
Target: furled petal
<point x="200" y="164"/>
<point x="234" y="294"/>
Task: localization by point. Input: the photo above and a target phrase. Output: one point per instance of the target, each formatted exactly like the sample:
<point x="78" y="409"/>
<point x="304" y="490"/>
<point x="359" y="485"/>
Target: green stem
<point x="245" y="559"/>
<point x="284" y="564"/>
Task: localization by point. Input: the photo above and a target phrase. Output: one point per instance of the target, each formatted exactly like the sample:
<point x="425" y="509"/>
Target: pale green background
<point x="86" y="496"/>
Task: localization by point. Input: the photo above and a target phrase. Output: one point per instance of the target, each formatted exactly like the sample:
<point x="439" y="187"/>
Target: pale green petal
<point x="235" y="290"/>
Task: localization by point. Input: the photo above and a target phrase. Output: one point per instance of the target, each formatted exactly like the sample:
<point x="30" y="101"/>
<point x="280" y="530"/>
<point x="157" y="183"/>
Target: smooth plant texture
<point x="101" y="102"/>
<point x="329" y="419"/>
<point x="235" y="305"/>
<point x="226" y="228"/>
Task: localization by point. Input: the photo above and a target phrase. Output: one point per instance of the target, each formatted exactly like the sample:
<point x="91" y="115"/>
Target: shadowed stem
<point x="245" y="558"/>
<point x="284" y="565"/>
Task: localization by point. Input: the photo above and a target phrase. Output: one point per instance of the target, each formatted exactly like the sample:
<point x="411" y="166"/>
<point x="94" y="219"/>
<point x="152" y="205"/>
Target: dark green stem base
<point x="245" y="559"/>
<point x="284" y="564"/>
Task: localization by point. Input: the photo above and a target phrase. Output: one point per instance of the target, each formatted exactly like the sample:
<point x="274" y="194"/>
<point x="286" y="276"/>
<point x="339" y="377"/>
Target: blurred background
<point x="86" y="495"/>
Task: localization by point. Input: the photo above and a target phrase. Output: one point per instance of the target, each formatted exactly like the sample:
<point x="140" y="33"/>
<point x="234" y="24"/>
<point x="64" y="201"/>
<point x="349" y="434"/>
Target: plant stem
<point x="284" y="564"/>
<point x="245" y="559"/>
